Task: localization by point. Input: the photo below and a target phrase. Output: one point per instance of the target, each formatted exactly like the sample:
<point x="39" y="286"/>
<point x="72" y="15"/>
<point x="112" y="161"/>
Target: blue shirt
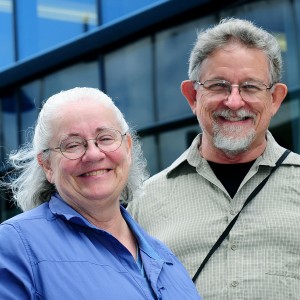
<point x="52" y="252"/>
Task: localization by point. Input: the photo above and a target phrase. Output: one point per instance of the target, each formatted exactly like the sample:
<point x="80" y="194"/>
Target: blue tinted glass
<point x="9" y="123"/>
<point x="128" y="76"/>
<point x="172" y="67"/>
<point x="30" y="105"/>
<point x="46" y="23"/>
<point x="6" y="33"/>
<point x="81" y="74"/>
<point x="183" y="138"/>
<point x="150" y="150"/>
<point x="113" y="9"/>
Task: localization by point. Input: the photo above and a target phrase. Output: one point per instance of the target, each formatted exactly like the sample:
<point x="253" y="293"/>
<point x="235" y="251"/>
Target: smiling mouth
<point x="235" y="119"/>
<point x="94" y="173"/>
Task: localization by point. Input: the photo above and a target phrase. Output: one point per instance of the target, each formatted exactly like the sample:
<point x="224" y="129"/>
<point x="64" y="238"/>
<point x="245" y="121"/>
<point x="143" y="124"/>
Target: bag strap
<point x="230" y="225"/>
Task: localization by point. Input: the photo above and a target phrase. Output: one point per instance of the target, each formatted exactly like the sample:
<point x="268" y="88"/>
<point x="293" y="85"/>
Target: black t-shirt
<point x="231" y="175"/>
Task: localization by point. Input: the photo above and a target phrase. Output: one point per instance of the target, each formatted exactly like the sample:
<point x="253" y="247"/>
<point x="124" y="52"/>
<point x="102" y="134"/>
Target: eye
<point x="251" y="87"/>
<point x="216" y="85"/>
<point x="105" y="139"/>
<point x="72" y="145"/>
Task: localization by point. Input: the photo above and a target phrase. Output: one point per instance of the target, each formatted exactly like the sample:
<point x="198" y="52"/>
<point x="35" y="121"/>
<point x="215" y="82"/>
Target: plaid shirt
<point x="188" y="208"/>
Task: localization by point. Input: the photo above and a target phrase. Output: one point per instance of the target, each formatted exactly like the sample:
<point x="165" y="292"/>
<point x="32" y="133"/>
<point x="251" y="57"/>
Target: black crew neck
<point x="231" y="175"/>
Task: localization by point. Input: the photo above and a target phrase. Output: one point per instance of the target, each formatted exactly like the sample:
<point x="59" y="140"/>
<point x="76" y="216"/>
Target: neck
<point x="111" y="220"/>
<point x="116" y="225"/>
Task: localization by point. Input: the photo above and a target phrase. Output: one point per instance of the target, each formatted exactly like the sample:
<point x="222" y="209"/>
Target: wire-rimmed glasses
<point x="75" y="146"/>
<point x="249" y="90"/>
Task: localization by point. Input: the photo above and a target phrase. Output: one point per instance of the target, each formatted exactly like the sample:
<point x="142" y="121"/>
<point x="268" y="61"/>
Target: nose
<point x="92" y="151"/>
<point x="234" y="100"/>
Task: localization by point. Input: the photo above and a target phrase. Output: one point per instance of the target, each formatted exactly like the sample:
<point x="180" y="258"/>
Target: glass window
<point x="9" y="119"/>
<point x="113" y="9"/>
<point x="81" y="75"/>
<point x="46" y="23"/>
<point x="285" y="126"/>
<point x="172" y="50"/>
<point x="7" y="208"/>
<point x="128" y="77"/>
<point x="6" y="33"/>
<point x="30" y="104"/>
<point x="173" y="143"/>
<point x="150" y="151"/>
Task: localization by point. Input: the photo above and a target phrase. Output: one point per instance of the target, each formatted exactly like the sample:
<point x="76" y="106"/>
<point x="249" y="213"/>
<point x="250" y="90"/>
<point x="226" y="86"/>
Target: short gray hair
<point x="235" y="30"/>
<point x="28" y="182"/>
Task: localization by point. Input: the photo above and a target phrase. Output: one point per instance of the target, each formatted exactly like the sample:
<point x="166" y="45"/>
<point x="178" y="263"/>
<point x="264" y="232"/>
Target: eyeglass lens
<point x="107" y="140"/>
<point x="249" y="91"/>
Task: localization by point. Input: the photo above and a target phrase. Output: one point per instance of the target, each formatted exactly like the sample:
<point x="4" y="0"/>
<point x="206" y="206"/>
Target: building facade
<point x="137" y="52"/>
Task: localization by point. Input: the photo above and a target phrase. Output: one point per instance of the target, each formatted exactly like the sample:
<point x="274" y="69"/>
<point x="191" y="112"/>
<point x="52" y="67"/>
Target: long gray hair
<point x="231" y="30"/>
<point x="28" y="182"/>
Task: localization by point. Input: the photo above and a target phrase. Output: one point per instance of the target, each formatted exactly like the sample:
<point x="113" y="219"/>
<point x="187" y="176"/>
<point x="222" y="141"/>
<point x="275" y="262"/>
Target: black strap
<point x="230" y="225"/>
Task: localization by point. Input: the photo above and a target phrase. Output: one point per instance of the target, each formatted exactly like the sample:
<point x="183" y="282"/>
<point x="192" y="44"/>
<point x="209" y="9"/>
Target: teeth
<point x="236" y="119"/>
<point x="94" y="173"/>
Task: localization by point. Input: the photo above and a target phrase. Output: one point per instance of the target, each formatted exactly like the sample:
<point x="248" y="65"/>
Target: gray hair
<point x="232" y="30"/>
<point x="30" y="186"/>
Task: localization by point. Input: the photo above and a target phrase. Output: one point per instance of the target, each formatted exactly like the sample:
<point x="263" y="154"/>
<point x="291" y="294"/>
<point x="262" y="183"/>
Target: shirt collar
<point x="141" y="237"/>
<point x="62" y="210"/>
<point x="269" y="157"/>
<point x="191" y="155"/>
<point x="272" y="153"/>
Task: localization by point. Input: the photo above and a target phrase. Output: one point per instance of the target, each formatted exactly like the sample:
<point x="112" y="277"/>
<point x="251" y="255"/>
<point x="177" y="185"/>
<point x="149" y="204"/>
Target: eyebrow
<point x="98" y="129"/>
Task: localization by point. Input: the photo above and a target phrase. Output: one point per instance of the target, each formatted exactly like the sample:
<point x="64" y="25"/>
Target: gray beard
<point x="228" y="139"/>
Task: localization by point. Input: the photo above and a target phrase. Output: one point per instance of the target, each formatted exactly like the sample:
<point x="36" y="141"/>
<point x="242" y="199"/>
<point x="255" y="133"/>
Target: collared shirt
<point x="52" y="252"/>
<point x="188" y="208"/>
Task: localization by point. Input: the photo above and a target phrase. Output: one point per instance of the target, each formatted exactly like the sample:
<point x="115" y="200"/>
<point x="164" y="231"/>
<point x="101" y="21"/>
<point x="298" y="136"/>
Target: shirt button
<point x="234" y="283"/>
<point x="233" y="247"/>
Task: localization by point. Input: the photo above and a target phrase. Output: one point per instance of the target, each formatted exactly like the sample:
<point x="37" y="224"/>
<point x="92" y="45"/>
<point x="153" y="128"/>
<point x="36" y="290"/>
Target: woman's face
<point x="96" y="176"/>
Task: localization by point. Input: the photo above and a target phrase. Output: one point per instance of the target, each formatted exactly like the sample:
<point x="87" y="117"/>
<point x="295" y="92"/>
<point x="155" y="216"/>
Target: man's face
<point x="233" y="123"/>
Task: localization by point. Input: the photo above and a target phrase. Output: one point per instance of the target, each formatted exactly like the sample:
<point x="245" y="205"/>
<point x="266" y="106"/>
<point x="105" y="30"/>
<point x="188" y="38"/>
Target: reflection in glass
<point x="128" y="74"/>
<point x="51" y="22"/>
<point x="81" y="75"/>
<point x="174" y="143"/>
<point x="150" y="150"/>
<point x="30" y="104"/>
<point x="113" y="9"/>
<point x="9" y="119"/>
<point x="6" y="33"/>
<point x="173" y="47"/>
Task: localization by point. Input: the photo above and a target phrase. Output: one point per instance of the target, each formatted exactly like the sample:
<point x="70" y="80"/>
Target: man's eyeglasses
<point x="249" y="91"/>
<point x="74" y="147"/>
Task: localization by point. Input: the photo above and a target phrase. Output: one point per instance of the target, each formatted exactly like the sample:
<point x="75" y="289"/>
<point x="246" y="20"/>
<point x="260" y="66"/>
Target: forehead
<point x="237" y="63"/>
<point x="84" y="118"/>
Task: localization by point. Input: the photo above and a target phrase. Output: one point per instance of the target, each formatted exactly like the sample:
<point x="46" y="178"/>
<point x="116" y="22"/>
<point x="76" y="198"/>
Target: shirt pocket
<point x="283" y="244"/>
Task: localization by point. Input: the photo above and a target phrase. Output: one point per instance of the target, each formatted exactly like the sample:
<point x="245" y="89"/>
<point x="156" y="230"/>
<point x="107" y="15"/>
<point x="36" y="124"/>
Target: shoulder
<point x="292" y="159"/>
<point x="39" y="212"/>
<point x="26" y="224"/>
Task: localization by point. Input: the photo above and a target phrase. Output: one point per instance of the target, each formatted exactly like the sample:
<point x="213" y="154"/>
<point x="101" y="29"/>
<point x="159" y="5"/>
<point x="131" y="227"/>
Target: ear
<point x="189" y="92"/>
<point x="279" y="94"/>
<point x="45" y="164"/>
<point x="128" y="141"/>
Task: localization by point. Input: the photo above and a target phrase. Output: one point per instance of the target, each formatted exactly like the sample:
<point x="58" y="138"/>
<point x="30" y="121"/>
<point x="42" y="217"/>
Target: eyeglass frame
<point x="230" y="85"/>
<point x="86" y="144"/>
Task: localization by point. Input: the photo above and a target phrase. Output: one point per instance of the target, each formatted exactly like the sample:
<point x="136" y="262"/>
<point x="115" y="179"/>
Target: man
<point x="234" y="90"/>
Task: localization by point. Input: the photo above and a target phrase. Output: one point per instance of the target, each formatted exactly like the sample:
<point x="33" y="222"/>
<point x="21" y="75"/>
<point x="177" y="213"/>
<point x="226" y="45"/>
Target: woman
<point x="75" y="241"/>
